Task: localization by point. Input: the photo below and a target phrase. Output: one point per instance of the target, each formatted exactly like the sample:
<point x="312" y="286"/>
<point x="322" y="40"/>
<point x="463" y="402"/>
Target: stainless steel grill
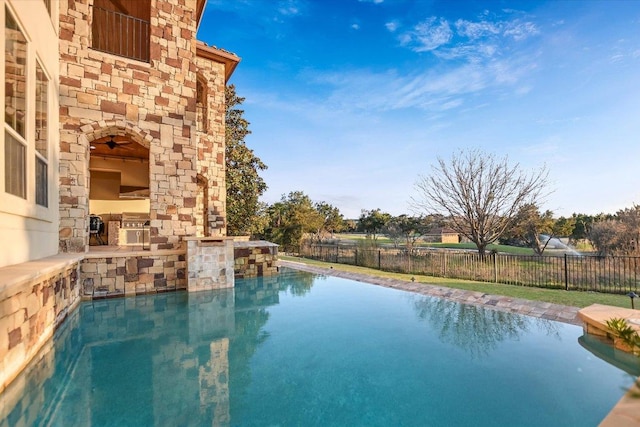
<point x="134" y="228"/>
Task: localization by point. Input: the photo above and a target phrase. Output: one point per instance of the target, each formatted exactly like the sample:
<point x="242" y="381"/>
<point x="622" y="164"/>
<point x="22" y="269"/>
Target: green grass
<point x="570" y="298"/>
<point x="382" y="240"/>
<point x="500" y="248"/>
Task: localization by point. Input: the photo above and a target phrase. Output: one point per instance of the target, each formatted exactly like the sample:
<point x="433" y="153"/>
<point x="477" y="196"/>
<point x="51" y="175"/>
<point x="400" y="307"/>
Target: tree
<point x="581" y="228"/>
<point x="373" y="222"/>
<point x="408" y="228"/>
<point x="605" y="236"/>
<point x="291" y="218"/>
<point x="617" y="235"/>
<point x="630" y="239"/>
<point x="333" y="220"/>
<point x="244" y="184"/>
<point x="479" y="193"/>
<point x="565" y="226"/>
<point x="531" y="227"/>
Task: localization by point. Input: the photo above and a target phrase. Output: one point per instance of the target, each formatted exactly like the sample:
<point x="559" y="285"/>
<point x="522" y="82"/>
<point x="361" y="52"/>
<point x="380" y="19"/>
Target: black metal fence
<point x="618" y="275"/>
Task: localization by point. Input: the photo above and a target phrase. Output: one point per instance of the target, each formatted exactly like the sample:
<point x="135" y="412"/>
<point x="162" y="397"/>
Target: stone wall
<point x="34" y="299"/>
<point x="211" y="145"/>
<point x="255" y="258"/>
<point x="132" y="274"/>
<point x="153" y="104"/>
<point x="210" y="263"/>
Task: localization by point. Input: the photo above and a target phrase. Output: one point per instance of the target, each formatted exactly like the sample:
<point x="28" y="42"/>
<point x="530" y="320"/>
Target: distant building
<point x="442" y="235"/>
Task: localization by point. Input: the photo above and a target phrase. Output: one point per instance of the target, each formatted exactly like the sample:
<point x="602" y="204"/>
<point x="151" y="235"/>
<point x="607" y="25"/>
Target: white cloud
<point x="371" y="1"/>
<point x="520" y="30"/>
<point x="471" y="40"/>
<point x="392" y="26"/>
<point x="432" y="90"/>
<point x="475" y="30"/>
<point x="471" y="52"/>
<point x="355" y="26"/>
<point x="427" y="35"/>
<point x="289" y="7"/>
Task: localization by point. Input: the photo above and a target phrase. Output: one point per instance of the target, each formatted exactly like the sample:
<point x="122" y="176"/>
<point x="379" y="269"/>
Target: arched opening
<point x="119" y="189"/>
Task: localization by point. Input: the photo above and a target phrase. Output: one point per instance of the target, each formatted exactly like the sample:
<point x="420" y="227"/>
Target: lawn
<point x="354" y="238"/>
<point x="570" y="298"/>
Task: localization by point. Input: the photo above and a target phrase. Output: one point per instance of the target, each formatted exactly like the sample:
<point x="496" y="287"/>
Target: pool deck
<point x="626" y="413"/>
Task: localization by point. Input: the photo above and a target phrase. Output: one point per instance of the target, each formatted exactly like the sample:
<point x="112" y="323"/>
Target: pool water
<point x="307" y="350"/>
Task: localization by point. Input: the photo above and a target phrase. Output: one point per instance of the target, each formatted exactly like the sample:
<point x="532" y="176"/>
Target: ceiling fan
<point x="113" y="141"/>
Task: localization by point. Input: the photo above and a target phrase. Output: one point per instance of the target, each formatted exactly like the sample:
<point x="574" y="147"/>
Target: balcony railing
<point x="120" y="34"/>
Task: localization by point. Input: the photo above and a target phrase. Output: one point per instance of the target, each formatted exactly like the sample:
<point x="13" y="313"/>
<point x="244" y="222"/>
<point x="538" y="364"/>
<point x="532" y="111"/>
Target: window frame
<point x="10" y="128"/>
<point x="42" y="194"/>
<point x="38" y="51"/>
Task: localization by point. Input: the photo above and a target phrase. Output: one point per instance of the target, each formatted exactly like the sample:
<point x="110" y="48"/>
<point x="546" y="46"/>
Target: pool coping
<point x="626" y="413"/>
<point x="543" y="310"/>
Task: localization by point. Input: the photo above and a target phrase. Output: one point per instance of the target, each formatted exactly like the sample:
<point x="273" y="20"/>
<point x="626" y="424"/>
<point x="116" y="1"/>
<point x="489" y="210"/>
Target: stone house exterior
<point x="146" y="107"/>
<point x="152" y="100"/>
<point x="105" y="125"/>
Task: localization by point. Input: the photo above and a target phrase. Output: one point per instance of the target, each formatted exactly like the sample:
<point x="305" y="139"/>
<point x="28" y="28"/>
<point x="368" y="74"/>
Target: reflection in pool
<point x="300" y="349"/>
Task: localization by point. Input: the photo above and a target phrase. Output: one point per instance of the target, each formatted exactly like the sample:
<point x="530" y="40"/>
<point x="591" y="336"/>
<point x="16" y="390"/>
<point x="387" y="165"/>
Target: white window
<point x="26" y="130"/>
<point x="15" y="145"/>
<point x="42" y="136"/>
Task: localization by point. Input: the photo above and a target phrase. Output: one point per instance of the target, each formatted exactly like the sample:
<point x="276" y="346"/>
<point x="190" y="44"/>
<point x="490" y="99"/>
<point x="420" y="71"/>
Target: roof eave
<point x="200" y="5"/>
<point x="229" y="59"/>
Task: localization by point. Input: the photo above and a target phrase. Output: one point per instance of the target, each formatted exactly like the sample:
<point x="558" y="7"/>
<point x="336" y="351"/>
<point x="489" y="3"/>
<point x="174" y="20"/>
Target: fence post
<point x="379" y="259"/>
<point x="566" y="274"/>
<point x="495" y="267"/>
<point x="444" y="264"/>
<point x="356" y="261"/>
<point x="337" y="253"/>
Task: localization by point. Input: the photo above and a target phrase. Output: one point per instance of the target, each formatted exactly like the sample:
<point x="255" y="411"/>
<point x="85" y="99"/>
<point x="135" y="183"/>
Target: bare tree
<point x="480" y="194"/>
<point x="617" y="235"/>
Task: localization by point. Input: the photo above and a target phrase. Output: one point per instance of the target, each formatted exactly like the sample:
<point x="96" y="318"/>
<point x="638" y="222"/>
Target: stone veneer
<point x="35" y="297"/>
<point x="255" y="258"/>
<point x="210" y="263"/>
<point x="131" y="274"/>
<point x="152" y="104"/>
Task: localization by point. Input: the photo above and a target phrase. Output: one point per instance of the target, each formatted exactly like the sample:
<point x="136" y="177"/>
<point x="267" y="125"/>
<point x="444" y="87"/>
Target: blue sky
<point x="351" y="101"/>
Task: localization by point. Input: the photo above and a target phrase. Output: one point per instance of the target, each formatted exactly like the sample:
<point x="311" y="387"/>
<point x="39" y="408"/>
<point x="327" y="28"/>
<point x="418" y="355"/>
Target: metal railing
<point x="120" y="34"/>
<point x="617" y="275"/>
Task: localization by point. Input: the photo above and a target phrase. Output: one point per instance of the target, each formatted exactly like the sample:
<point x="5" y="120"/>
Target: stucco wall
<point x="32" y="229"/>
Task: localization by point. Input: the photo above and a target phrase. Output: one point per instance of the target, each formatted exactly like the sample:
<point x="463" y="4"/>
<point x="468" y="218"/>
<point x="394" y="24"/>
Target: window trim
<point x="8" y="127"/>
<point x="45" y="159"/>
<point x="23" y="176"/>
<point x="39" y="49"/>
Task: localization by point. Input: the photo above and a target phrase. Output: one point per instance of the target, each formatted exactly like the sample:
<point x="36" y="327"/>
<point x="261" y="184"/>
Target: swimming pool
<point x="302" y="349"/>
